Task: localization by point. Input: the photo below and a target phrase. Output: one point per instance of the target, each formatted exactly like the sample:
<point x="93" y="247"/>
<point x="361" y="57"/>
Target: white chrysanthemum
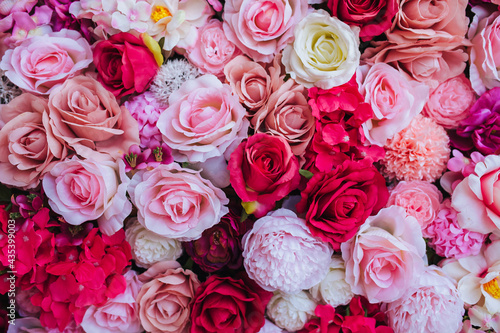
<point x="291" y="312"/>
<point x="149" y="248"/>
<point x="281" y="254"/>
<point x="171" y="76"/>
<point x="8" y="90"/>
<point x="334" y="289"/>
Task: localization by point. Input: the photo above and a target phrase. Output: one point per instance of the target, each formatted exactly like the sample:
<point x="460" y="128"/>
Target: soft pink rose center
<point x="265" y="17"/>
<point x="254" y="88"/>
<point x="217" y="47"/>
<point x="29" y="141"/>
<point x="425" y="12"/>
<point x="47" y="64"/>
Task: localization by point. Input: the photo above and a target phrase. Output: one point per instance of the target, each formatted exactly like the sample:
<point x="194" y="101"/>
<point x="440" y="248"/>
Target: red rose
<point x="227" y="305"/>
<point x="263" y="170"/>
<point x="373" y="16"/>
<point x="124" y="64"/>
<point x="337" y="203"/>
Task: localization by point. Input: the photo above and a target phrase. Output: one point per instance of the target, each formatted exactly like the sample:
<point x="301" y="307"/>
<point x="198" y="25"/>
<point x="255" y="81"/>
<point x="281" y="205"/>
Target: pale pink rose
<point x="212" y="51"/>
<point x="450" y="102"/>
<point x="85" y="190"/>
<point x="262" y="28"/>
<point x="419" y="199"/>
<point x="252" y="82"/>
<point x="476" y="198"/>
<point x="43" y="62"/>
<point x="28" y="148"/>
<point x="384" y="259"/>
<point x="203" y="119"/>
<point x="425" y="19"/>
<point x="165" y="298"/>
<point x="430" y="63"/>
<point x="118" y="315"/>
<point x="485" y="50"/>
<point x="431" y="305"/>
<point x="477" y="277"/>
<point x="87" y="117"/>
<point x="287" y="114"/>
<point x="175" y="202"/>
<point x="281" y="254"/>
<point x="395" y="101"/>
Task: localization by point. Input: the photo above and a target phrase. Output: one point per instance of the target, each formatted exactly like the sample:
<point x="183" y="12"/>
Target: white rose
<point x="325" y="52"/>
<point x="334" y="289"/>
<point x="291" y="311"/>
<point x="149" y="248"/>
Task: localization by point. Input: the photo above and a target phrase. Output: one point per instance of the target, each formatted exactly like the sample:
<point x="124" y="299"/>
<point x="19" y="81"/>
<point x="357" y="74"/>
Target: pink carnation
<point x="420" y="199"/>
<point x="448" y="239"/>
<point x="281" y="254"/>
<point x="146" y="109"/>
<point x="419" y="152"/>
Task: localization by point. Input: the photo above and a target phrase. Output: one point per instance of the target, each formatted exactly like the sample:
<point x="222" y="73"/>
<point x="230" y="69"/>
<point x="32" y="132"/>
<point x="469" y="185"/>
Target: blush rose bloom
<point x="385" y="258"/>
<point x="203" y="119"/>
<point x="325" y="52"/>
<point x="87" y="117"/>
<point x="83" y="191"/>
<point x="175" y="202"/>
<point x="166" y="296"/>
<point x="395" y="101"/>
<point x="119" y="314"/>
<point x="450" y="102"/>
<point x="41" y="63"/>
<point x="476" y="198"/>
<point x="262" y="28"/>
<point x="28" y="149"/>
<point x="213" y="50"/>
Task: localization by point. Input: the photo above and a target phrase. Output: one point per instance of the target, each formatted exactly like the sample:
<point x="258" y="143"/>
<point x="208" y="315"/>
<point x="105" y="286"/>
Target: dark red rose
<point x="338" y="202"/>
<point x="227" y="305"/>
<point x="124" y="64"/>
<point x="373" y="16"/>
<point x="263" y="170"/>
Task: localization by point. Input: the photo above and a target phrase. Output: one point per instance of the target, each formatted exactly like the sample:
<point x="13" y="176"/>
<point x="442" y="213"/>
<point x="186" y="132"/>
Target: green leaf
<point x="5" y="193"/>
<point x="306" y="174"/>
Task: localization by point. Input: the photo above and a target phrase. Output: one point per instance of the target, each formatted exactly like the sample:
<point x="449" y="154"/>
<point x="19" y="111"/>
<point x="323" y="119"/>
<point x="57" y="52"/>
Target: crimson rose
<point x="124" y="64"/>
<point x="227" y="305"/>
<point x="338" y="202"/>
<point x="263" y="170"/>
<point x="373" y="16"/>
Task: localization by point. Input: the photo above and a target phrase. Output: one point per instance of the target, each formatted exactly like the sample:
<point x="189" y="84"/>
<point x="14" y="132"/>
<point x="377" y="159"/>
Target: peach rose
<point x="384" y="259"/>
<point x="287" y="114"/>
<point x="426" y="19"/>
<point x="175" y="202"/>
<point x="28" y="149"/>
<point x="476" y="198"/>
<point x="165" y="298"/>
<point x="87" y="117"/>
<point x="430" y="63"/>
<point x="41" y="63"/>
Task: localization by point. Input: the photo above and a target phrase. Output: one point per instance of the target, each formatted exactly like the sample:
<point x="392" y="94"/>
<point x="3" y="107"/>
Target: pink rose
<point x="420" y="199"/>
<point x="395" y="101"/>
<point x="384" y="259"/>
<point x="425" y="19"/>
<point x="118" y="315"/>
<point x="429" y="62"/>
<point x="262" y="28"/>
<point x="85" y="190"/>
<point x="176" y="202"/>
<point x="203" y="119"/>
<point x="41" y="63"/>
<point x="450" y="102"/>
<point x="476" y="198"/>
<point x="28" y="149"/>
<point x="87" y="117"/>
<point x="485" y="52"/>
<point x="165" y="298"/>
<point x="288" y="115"/>
<point x="212" y="51"/>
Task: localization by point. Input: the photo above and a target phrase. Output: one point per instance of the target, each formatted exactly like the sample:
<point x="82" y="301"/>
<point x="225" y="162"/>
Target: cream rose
<point x="291" y="311"/>
<point x="325" y="52"/>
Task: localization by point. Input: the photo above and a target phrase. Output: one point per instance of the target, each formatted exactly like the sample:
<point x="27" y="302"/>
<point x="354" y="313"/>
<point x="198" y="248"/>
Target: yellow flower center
<point x="160" y="12"/>
<point x="492" y="288"/>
